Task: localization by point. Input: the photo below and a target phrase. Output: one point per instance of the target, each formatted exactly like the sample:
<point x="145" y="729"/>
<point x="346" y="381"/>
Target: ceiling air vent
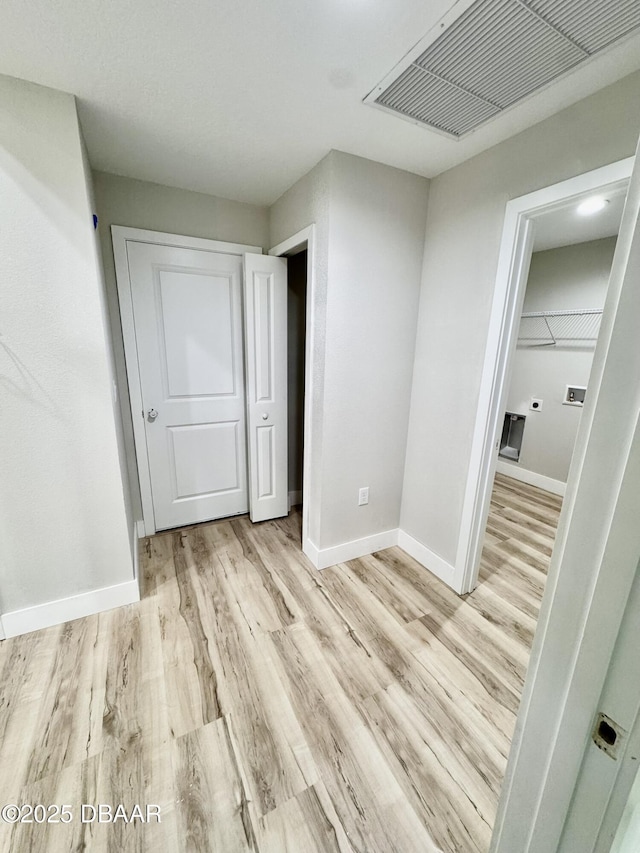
<point x="496" y="53"/>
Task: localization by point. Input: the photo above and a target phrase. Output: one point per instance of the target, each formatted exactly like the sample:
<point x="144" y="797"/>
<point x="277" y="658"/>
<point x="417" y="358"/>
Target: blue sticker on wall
<point x="95" y="222"/>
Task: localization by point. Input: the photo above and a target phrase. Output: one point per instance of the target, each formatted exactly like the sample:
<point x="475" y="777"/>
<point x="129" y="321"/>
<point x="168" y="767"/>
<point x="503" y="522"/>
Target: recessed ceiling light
<point x="592" y="205"/>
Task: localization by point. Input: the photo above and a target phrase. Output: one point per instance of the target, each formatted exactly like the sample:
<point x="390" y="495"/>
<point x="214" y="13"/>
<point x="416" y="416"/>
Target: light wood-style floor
<point x="265" y="706"/>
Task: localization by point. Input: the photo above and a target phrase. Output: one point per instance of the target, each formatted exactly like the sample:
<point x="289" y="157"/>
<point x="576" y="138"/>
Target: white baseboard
<point x="65" y="609"/>
<point x="311" y="551"/>
<point x="356" y="548"/>
<point x="140" y="533"/>
<point x="557" y="487"/>
<point x="326" y="557"/>
<point x="429" y="559"/>
<point x="295" y="499"/>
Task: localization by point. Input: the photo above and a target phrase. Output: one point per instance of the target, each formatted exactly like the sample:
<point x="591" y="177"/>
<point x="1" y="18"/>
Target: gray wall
<point x="113" y="371"/>
<point x="62" y="507"/>
<point x="376" y="240"/>
<point x="566" y="278"/>
<point x="464" y="226"/>
<point x="140" y="204"/>
<point x="370" y="225"/>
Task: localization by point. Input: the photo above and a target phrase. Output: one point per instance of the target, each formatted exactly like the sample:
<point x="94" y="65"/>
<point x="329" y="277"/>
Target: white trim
<point x="294" y="244"/>
<point x="136" y="557"/>
<point x="140" y="532"/>
<point x="532" y="478"/>
<point x="295" y="498"/>
<point x="429" y="559"/>
<point x="180" y="241"/>
<point x="2" y="632"/>
<point x="120" y="236"/>
<point x="513" y="266"/>
<point x="74" y="607"/>
<point x="356" y="548"/>
<point x="291" y="246"/>
<point x="312" y="552"/>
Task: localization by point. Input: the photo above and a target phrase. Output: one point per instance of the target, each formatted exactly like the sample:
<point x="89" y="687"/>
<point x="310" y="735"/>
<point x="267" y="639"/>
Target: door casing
<point x="511" y="282"/>
<point x="591" y="574"/>
<point x="305" y="239"/>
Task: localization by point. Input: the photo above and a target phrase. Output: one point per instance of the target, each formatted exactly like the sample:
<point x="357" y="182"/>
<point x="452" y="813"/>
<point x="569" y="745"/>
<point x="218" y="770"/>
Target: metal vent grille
<point x="498" y="52"/>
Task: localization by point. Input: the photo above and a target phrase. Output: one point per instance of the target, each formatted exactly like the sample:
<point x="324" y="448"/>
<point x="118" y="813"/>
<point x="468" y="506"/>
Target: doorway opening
<point x="296" y="333"/>
<point x="564" y="298"/>
<point x="299" y="249"/>
<point x="523" y="218"/>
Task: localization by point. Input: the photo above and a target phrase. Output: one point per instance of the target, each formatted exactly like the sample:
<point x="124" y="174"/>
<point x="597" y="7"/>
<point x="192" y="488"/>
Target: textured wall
<point x="464" y="227"/>
<point x="559" y="279"/>
<point x="369" y="245"/>
<point x="376" y="240"/>
<point x="62" y="507"/>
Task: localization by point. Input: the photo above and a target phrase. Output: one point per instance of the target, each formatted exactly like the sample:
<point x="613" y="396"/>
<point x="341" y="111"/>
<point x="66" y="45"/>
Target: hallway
<point x="266" y="706"/>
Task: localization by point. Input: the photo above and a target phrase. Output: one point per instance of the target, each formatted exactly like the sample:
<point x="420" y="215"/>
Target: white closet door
<point x="187" y="306"/>
<point x="265" y="283"/>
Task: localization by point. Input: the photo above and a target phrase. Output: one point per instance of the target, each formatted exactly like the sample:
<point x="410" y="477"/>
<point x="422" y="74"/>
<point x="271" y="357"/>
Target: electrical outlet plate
<point x="535" y="404"/>
<point x="363" y="496"/>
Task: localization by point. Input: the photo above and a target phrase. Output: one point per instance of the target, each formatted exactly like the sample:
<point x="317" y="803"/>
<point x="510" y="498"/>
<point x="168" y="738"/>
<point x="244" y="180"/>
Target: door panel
<point x="197" y="362"/>
<point x="187" y="306"/>
<point x="205" y="458"/>
<point x="266" y="338"/>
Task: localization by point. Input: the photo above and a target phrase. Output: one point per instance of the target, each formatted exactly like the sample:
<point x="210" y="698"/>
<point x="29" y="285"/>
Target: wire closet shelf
<point x="550" y="328"/>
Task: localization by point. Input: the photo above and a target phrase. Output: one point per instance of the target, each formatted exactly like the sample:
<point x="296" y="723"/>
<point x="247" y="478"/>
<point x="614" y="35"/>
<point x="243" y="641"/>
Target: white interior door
<point x="265" y="283"/>
<point x="609" y="770"/>
<point x="187" y="307"/>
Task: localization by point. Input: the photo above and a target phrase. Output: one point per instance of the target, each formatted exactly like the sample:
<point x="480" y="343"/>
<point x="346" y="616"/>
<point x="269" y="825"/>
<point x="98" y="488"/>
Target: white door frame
<point x="120" y="235"/>
<point x="291" y="246"/>
<point x="511" y="284"/>
<point x="592" y="570"/>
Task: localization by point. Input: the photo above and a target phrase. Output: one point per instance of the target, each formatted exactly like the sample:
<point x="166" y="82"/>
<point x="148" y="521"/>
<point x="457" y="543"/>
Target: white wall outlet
<point x="363" y="496"/>
<point x="535" y="404"/>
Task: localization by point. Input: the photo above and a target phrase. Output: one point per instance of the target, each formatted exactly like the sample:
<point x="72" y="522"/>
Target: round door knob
<point x="152" y="414"/>
<point x="265" y="416"/>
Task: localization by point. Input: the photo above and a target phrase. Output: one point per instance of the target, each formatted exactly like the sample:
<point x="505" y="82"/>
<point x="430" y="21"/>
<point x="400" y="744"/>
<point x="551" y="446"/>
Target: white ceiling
<point x="241" y="98"/>
<point x="566" y="226"/>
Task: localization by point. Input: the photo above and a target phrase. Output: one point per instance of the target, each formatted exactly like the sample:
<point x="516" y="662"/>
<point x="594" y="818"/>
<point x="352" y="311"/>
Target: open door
<point x="265" y="318"/>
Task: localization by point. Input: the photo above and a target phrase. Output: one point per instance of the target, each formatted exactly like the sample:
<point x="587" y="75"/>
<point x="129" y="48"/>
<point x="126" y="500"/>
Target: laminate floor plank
<point x="274" y="754"/>
<point x="190" y="676"/>
<point x="523" y="491"/>
<point x="389" y="589"/>
<point x="307" y="822"/>
<point x="504" y="528"/>
<point x="457" y="679"/>
<point x="435" y="791"/>
<point x="369" y="802"/>
<point x="499" y="562"/>
<point x="212" y="802"/>
<point x="134" y="766"/>
<point x="266" y="707"/>
<point x="451" y="724"/>
<point x="506" y="615"/>
<point x="532" y="507"/>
